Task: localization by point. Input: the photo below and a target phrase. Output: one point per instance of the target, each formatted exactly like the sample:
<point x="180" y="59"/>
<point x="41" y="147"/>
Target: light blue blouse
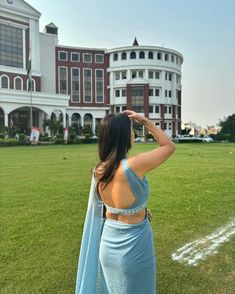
<point x="140" y="189"/>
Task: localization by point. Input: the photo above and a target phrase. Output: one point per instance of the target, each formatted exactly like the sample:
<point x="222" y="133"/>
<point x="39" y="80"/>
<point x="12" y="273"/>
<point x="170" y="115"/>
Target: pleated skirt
<point x="127" y="258"/>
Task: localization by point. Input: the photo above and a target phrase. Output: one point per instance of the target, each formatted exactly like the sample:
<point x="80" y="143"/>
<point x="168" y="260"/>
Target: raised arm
<point x="144" y="162"/>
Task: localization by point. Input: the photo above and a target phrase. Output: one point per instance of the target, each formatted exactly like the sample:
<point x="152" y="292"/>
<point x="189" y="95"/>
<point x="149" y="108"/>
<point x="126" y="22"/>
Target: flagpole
<point x="29" y="72"/>
<point x="31" y="107"/>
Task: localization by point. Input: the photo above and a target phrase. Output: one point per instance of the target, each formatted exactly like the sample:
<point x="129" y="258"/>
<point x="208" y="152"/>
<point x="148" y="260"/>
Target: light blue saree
<point x="115" y="257"/>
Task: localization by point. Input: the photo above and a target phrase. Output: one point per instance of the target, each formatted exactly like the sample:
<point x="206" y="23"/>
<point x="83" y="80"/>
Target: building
<point x="194" y="129"/>
<point x="79" y="84"/>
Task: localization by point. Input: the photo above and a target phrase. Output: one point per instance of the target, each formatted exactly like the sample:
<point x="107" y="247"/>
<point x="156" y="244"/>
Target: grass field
<point x="43" y="198"/>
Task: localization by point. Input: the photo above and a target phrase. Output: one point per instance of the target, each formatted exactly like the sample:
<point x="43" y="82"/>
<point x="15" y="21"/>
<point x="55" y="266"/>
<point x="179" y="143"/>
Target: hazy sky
<point x="202" y="30"/>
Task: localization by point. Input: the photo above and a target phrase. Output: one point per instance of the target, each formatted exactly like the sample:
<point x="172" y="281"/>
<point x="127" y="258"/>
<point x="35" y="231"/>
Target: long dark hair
<point x="114" y="143"/>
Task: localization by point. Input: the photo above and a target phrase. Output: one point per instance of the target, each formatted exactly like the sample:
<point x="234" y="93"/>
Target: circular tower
<point x="147" y="79"/>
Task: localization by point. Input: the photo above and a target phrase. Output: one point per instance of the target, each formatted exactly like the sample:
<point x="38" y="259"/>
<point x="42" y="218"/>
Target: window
<point x="169" y="126"/>
<point x="166" y="57"/>
<point x="150" y="74"/>
<point x="159" y="55"/>
<point x="123" y="75"/>
<point x="168" y="76"/>
<point x="172" y="58"/>
<point x="157" y="92"/>
<point x="169" y="94"/>
<point x="123" y="92"/>
<point x="117" y="75"/>
<point x="133" y="55"/>
<point x="137" y="99"/>
<point x="150" y="55"/>
<point x="141" y="74"/>
<point x="87" y="57"/>
<point x="169" y="109"/>
<point x="178" y="79"/>
<point x="157" y="75"/>
<point x="87" y="85"/>
<point x="5" y="82"/>
<point x="75" y="57"/>
<point x="157" y="109"/>
<point x="18" y="84"/>
<point x="141" y="55"/>
<point x="165" y="126"/>
<point x="123" y="55"/>
<point x="117" y="109"/>
<point x="123" y="108"/>
<point x="133" y="74"/>
<point x="165" y="109"/>
<point x="63" y="55"/>
<point x="166" y="93"/>
<point x="11" y="46"/>
<point x="75" y="83"/>
<point x="150" y="109"/>
<point x="117" y="93"/>
<point x="157" y="124"/>
<point x="150" y="92"/>
<point x="99" y="58"/>
<point x="63" y="80"/>
<point x="99" y="76"/>
<point x="115" y="57"/>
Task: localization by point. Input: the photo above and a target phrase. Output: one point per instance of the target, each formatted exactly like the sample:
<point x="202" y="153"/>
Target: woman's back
<point x="125" y="197"/>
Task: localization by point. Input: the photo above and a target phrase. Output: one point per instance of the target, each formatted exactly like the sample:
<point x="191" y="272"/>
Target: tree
<point x="228" y="127"/>
<point x="53" y="125"/>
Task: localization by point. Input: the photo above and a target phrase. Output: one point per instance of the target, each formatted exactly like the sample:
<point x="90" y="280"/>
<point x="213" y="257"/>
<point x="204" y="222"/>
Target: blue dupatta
<point x="89" y="276"/>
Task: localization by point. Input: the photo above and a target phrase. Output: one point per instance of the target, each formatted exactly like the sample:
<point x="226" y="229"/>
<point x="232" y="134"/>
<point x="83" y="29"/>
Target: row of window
<point x="156" y="109"/>
<point x="137" y="99"/>
<point x="18" y="83"/>
<point x="87" y="84"/>
<point x="152" y="74"/>
<point x="149" y="55"/>
<point x="152" y="92"/>
<point x="75" y="57"/>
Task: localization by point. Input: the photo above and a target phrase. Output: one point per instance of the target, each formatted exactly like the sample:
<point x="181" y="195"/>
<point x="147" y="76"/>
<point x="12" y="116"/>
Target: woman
<point x="117" y="253"/>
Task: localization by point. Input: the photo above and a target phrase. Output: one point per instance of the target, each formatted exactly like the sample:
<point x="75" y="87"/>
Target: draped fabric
<point x="89" y="278"/>
<point x="127" y="257"/>
<point x="115" y="258"/>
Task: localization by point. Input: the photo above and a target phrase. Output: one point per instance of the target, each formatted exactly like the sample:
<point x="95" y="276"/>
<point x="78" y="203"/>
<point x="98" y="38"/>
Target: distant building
<point x="194" y="129"/>
<point x="80" y="84"/>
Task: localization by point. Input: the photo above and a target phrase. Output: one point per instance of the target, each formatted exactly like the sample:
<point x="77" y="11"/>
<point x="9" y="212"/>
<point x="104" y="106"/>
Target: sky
<point x="202" y="30"/>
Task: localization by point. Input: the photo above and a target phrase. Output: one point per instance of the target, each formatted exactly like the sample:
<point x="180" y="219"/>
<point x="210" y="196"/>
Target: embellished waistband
<point x="125" y="211"/>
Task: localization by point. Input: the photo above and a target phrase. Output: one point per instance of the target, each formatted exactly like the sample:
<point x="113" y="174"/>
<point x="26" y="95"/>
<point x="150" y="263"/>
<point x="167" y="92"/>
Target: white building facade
<point x="147" y="79"/>
<point x="81" y="84"/>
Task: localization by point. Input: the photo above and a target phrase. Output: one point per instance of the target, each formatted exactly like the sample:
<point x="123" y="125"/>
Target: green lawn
<point x="43" y="198"/>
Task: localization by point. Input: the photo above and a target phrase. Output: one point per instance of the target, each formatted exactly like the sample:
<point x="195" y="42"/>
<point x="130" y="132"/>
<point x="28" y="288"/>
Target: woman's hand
<point x="135" y="116"/>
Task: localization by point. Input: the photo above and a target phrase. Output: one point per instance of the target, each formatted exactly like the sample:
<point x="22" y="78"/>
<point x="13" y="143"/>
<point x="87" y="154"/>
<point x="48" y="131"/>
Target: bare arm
<point x="147" y="161"/>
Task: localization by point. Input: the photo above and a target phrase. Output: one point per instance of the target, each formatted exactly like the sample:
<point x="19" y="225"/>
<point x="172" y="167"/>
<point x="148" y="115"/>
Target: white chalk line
<point x="192" y="253"/>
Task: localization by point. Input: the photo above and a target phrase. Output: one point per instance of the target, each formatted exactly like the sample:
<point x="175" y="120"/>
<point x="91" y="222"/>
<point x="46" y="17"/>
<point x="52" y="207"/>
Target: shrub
<point x="22" y="139"/>
<point x="189" y="141"/>
<point x="72" y="136"/>
<point x="59" y="139"/>
<point x="77" y="140"/>
<point x="9" y="142"/>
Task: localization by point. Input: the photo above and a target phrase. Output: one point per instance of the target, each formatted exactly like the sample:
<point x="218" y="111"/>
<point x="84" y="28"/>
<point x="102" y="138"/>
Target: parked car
<point x="207" y="139"/>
